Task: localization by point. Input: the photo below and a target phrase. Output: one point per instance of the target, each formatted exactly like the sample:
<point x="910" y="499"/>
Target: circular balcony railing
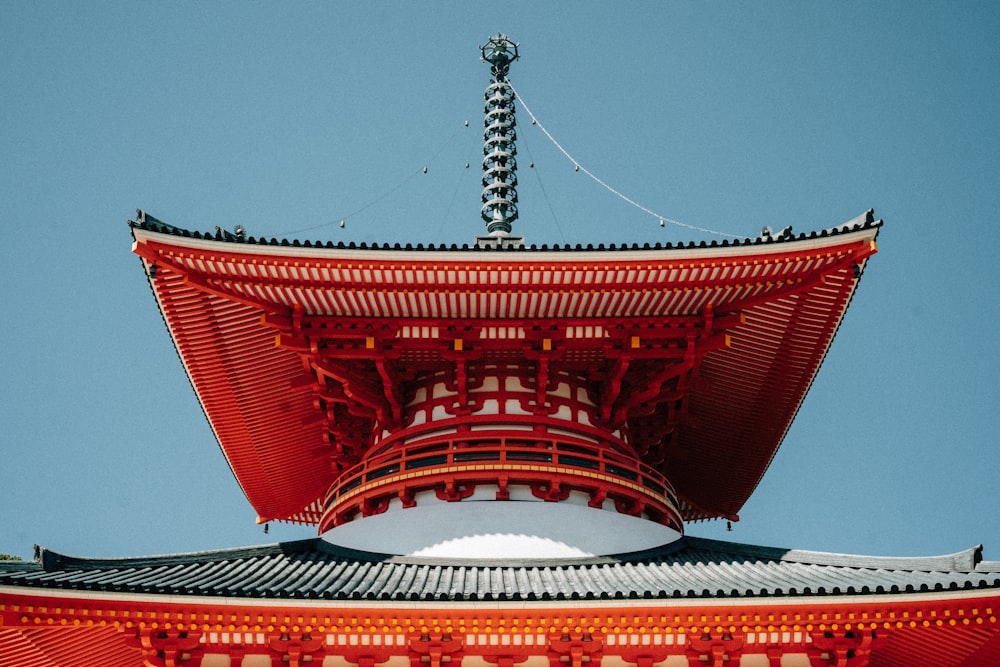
<point x="452" y="465"/>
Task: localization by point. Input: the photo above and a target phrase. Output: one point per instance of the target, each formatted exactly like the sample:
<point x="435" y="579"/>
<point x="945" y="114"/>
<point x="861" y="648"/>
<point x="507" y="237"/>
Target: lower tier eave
<point x="955" y="629"/>
<point x="983" y="603"/>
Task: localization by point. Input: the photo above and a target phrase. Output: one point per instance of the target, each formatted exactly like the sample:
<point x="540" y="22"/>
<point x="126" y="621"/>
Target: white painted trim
<point x="989" y="596"/>
<point x="518" y="257"/>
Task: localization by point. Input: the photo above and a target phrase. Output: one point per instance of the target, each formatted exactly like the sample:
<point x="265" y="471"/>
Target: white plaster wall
<point x="500" y="529"/>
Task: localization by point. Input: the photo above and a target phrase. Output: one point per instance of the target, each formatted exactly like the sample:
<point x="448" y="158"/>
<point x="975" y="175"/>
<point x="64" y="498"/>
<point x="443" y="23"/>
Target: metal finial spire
<point x="499" y="52"/>
<point x="499" y="164"/>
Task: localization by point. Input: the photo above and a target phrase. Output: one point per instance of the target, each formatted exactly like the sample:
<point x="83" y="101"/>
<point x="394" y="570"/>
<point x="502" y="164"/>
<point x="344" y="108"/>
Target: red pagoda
<point x="500" y="445"/>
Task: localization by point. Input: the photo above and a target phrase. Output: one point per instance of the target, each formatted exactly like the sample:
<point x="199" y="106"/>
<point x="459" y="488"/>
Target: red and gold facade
<point x="943" y="630"/>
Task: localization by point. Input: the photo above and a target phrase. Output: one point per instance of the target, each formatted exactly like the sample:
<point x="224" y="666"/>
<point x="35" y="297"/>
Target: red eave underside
<point x="213" y="296"/>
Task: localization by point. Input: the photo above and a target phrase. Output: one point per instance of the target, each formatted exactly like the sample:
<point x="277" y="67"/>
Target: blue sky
<point x="287" y="117"/>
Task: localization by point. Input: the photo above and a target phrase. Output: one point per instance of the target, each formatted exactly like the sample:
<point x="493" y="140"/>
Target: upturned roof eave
<point x="268" y="499"/>
<point x="147" y="227"/>
<point x="966" y="560"/>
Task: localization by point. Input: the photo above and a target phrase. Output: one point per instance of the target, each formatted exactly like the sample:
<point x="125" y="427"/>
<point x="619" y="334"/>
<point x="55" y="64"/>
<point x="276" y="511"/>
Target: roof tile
<point x="690" y="567"/>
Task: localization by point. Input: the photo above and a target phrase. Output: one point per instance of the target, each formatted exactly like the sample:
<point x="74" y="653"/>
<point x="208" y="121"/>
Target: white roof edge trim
<point x="219" y="601"/>
<point x="523" y="257"/>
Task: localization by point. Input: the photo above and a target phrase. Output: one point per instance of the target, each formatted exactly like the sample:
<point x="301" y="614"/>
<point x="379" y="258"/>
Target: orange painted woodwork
<point x="303" y="356"/>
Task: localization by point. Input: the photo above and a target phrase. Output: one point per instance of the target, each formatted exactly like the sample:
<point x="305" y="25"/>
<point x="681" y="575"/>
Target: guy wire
<point x="577" y="165"/>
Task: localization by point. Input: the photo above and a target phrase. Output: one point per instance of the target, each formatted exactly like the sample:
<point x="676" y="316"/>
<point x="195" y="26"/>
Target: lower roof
<point x="688" y="568"/>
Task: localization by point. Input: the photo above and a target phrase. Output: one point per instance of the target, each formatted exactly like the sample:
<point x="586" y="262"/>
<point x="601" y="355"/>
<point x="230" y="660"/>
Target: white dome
<point x="487" y="529"/>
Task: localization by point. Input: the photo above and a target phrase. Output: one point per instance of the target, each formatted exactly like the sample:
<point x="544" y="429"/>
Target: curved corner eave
<point x="761" y="381"/>
<point x="270" y="433"/>
<point x="241" y="379"/>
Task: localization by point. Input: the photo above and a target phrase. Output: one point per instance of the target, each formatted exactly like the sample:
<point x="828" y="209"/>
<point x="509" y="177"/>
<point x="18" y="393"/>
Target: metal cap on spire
<point x="499" y="52"/>
<point x="499" y="150"/>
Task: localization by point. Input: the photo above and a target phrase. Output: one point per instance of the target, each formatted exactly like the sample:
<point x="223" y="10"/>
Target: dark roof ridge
<point x="967" y="560"/>
<point x="961" y="561"/>
<point x="49" y="560"/>
<point x="689" y="567"/>
<point x="147" y="222"/>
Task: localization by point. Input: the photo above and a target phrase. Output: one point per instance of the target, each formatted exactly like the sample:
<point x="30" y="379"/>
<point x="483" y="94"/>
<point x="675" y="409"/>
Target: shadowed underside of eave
<point x="792" y="296"/>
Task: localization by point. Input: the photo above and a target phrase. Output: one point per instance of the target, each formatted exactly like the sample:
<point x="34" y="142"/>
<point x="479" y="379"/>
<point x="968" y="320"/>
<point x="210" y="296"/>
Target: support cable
<point x="541" y="186"/>
<point x="580" y="167"/>
<point x="421" y="170"/>
<point x="454" y="194"/>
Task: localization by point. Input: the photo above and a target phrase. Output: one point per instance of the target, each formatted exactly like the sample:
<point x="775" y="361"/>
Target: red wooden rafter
<point x="354" y="366"/>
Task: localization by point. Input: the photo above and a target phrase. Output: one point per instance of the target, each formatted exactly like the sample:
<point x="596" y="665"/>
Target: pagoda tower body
<point x="499" y="446"/>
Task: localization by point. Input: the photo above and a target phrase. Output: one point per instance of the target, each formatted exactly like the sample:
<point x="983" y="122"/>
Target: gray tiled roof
<point x="689" y="568"/>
